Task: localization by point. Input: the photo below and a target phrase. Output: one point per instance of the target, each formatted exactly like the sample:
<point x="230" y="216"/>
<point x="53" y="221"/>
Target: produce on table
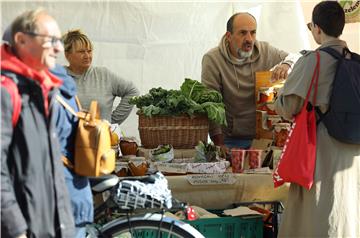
<point x="128" y="146"/>
<point x="114" y="139"/>
<point x="237" y="160"/>
<point x="207" y="152"/>
<point x="163" y="153"/>
<point x="254" y="158"/>
<point x="138" y="166"/>
<point x="161" y="149"/>
<point x="192" y="98"/>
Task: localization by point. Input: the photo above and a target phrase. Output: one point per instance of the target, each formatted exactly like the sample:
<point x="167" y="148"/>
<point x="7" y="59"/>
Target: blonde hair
<point x="73" y="37"/>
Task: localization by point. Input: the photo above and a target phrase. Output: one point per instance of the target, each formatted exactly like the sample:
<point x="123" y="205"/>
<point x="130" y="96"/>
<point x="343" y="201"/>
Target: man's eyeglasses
<point x="54" y="41"/>
<point x="309" y="26"/>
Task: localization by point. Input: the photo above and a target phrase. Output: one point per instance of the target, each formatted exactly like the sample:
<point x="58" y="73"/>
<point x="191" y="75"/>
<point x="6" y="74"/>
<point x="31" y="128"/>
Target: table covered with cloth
<point x="243" y="188"/>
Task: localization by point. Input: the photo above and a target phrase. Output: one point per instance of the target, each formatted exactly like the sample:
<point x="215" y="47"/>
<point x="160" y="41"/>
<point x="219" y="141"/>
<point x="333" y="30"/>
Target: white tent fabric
<point x="156" y="43"/>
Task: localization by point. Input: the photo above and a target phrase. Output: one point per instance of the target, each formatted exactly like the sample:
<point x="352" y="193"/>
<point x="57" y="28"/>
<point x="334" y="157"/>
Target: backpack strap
<point x="10" y="82"/>
<point x="80" y="114"/>
<point x="320" y="114"/>
<point x="334" y="53"/>
<point x="66" y="105"/>
<point x="78" y="102"/>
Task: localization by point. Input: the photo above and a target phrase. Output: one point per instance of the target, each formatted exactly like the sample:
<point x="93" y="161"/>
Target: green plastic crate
<point x="230" y="227"/>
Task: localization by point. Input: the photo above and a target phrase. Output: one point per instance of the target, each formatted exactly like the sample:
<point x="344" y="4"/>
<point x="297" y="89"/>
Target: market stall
<point x="218" y="191"/>
<point x="197" y="172"/>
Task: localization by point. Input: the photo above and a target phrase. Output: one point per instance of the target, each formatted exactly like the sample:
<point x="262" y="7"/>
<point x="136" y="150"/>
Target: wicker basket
<point x="182" y="132"/>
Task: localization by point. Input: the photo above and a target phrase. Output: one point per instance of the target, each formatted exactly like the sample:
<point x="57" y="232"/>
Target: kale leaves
<point x="192" y="98"/>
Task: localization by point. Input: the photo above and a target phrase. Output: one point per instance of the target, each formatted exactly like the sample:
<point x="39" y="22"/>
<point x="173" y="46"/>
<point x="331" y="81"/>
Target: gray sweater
<point x="236" y="82"/>
<point x="100" y="84"/>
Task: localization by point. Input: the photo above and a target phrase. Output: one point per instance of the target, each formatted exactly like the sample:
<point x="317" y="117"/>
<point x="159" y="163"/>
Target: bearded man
<point x="230" y="69"/>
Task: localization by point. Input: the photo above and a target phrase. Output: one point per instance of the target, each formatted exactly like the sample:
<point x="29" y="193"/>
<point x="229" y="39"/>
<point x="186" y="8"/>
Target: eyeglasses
<point x="54" y="41"/>
<point x="309" y="25"/>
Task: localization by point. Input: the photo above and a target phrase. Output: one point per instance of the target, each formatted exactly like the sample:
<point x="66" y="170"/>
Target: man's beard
<point x="242" y="54"/>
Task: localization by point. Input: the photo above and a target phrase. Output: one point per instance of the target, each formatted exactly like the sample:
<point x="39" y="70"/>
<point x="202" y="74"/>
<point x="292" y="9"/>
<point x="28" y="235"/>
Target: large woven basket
<point x="182" y="132"/>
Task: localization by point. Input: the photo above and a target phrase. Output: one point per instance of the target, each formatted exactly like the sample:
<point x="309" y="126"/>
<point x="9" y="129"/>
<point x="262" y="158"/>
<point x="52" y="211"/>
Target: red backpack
<point x="9" y="81"/>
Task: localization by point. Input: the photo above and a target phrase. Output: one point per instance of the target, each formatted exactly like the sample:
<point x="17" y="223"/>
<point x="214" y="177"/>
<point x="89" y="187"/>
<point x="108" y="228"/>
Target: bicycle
<point x="131" y="214"/>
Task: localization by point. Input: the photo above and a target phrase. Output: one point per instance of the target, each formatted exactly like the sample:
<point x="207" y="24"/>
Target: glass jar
<point x="281" y="131"/>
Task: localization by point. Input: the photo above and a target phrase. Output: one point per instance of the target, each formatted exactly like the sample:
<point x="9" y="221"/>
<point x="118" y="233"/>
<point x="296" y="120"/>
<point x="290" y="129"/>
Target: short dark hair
<point x="26" y="22"/>
<point x="230" y="22"/>
<point x="330" y="17"/>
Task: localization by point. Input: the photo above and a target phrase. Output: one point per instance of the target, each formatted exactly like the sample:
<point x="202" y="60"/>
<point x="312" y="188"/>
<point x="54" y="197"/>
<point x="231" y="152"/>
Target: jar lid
<point x="281" y="126"/>
<point x="128" y="139"/>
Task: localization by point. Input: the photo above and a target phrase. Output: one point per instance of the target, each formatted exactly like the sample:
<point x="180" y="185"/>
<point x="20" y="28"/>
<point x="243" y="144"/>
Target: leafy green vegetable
<point x="215" y="112"/>
<point x="206" y="152"/>
<point x="199" y="93"/>
<point x="151" y="110"/>
<point x="162" y="149"/>
<point x="192" y="89"/>
<point x="192" y="98"/>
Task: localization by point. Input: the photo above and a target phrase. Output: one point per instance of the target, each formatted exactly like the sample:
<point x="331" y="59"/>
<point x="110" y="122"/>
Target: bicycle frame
<point x="159" y="218"/>
<point x="131" y="221"/>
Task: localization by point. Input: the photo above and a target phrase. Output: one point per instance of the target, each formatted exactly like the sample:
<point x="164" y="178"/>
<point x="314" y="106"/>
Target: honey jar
<point x="121" y="169"/>
<point x="272" y="120"/>
<point x="138" y="166"/>
<point x="265" y="94"/>
<point x="281" y="131"/>
<point x="128" y="146"/>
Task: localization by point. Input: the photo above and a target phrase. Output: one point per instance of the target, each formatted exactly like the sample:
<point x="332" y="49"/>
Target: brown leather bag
<point x="93" y="153"/>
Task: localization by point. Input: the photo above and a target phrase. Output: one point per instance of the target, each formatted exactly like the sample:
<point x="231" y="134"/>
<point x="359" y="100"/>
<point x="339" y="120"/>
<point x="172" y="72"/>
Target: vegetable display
<point x="192" y="98"/>
<point x="161" y="150"/>
<point x="207" y="152"/>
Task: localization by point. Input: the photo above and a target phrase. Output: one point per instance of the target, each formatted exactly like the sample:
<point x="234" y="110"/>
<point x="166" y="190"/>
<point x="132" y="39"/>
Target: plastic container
<point x="162" y="157"/>
<point x="230" y="227"/>
<point x="237" y="160"/>
<point x="254" y="158"/>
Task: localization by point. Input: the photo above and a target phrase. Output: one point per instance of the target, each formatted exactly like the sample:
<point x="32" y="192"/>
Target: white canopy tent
<point x="156" y="43"/>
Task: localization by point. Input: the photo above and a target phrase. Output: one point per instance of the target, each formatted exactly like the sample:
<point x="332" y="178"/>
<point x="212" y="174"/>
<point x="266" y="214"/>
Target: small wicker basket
<point x="182" y="132"/>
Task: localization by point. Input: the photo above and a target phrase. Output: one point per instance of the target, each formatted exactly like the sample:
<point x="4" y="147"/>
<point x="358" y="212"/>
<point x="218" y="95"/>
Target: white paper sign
<point x="182" y="168"/>
<point x="209" y="179"/>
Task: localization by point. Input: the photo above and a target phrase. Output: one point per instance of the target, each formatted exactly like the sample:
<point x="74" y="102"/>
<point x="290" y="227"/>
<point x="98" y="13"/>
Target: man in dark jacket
<point x="34" y="198"/>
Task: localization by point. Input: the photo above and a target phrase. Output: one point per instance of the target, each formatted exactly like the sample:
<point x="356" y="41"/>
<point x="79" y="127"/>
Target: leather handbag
<point x="298" y="157"/>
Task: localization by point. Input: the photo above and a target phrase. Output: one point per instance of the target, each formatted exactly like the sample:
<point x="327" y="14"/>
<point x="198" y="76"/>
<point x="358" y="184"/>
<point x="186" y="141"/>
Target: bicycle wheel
<point x="149" y="226"/>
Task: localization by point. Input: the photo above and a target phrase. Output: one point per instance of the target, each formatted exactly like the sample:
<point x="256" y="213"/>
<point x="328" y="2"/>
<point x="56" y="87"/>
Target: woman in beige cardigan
<point x="331" y="208"/>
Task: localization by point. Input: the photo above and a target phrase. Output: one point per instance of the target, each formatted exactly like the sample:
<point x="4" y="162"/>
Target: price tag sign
<point x="211" y="179"/>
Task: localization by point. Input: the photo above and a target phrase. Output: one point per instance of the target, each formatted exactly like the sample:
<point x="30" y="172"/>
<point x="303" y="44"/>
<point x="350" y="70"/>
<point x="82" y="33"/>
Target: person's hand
<point x="219" y="141"/>
<point x="280" y="72"/>
<point x="224" y="152"/>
